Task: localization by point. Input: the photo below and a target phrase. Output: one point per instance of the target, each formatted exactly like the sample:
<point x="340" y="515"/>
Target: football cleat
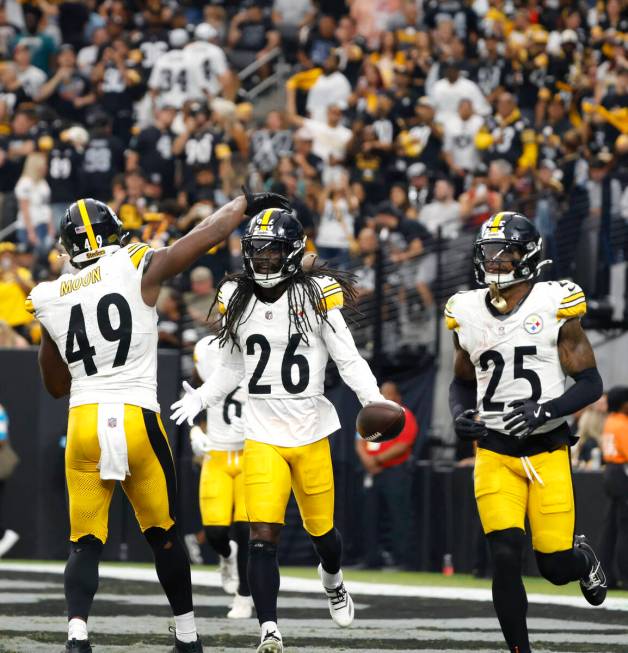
<point x="187" y="647"/>
<point x="241" y="608"/>
<point x="78" y="646"/>
<point x="339" y="601"/>
<point x="8" y="541"/>
<point x="228" y="568"/>
<point x="593" y="586"/>
<point x="271" y="642"/>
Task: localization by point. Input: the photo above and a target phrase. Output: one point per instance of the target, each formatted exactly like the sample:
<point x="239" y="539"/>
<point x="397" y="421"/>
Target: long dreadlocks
<point x="301" y="289"/>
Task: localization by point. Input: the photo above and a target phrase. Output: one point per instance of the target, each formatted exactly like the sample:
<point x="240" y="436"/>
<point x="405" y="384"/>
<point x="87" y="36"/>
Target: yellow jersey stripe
<point x="332" y="292"/>
<point x="577" y="295"/>
<point x="138" y="255"/>
<point x="577" y="310"/>
<point x="88" y="225"/>
<point x="331" y="285"/>
<point x="575" y="302"/>
<point x="133" y="248"/>
<point x="265" y="219"/>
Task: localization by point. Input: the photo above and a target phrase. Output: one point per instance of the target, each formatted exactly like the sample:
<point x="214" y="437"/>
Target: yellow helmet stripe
<point x="496" y="221"/>
<point x="265" y="220"/>
<point x="88" y="225"/>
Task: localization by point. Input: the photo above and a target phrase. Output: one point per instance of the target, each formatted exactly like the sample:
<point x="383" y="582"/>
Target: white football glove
<point x="199" y="441"/>
<point x="188" y="407"/>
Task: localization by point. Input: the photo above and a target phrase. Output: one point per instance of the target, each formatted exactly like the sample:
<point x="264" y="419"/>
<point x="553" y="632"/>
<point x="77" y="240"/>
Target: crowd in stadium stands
<point x="405" y="125"/>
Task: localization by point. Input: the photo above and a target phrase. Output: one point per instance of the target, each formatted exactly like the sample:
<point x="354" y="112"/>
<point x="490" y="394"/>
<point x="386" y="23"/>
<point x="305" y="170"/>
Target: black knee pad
<point x="87" y="543"/>
<point x="262" y="548"/>
<point x="159" y="538"/>
<point x="507" y="550"/>
<point x="216" y="532"/>
<point x="555" y="567"/>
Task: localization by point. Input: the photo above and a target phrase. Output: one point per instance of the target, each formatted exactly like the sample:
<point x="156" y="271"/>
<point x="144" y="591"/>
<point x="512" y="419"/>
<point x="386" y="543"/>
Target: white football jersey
<point x="210" y="62"/>
<point x="285" y="376"/>
<point x="515" y="355"/>
<point x="219" y="430"/>
<point x="105" y="332"/>
<point x="176" y="79"/>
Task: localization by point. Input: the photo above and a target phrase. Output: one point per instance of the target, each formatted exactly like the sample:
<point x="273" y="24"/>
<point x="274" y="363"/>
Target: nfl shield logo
<point x="112" y="422"/>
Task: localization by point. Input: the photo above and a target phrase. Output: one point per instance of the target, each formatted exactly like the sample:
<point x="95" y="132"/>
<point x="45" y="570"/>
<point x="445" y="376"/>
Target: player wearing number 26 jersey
<point x="99" y="345"/>
<point x="515" y="344"/>
<point x="221" y="488"/>
<point x="280" y="325"/>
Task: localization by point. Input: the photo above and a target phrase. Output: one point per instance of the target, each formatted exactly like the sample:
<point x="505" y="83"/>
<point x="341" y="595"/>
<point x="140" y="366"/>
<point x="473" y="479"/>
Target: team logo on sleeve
<point x="533" y="323"/>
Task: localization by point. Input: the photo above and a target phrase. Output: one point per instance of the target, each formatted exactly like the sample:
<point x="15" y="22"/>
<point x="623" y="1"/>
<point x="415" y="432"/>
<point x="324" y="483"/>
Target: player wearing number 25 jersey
<point x="514" y="346"/>
<point x="280" y="325"/>
<point x="221" y="488"/>
<point x="99" y="345"/>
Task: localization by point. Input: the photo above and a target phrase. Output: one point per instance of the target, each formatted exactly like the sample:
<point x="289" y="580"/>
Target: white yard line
<point x="294" y="584"/>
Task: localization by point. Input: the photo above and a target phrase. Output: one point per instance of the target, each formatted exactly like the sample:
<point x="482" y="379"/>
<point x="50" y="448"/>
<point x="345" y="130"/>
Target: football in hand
<point x="380" y="421"/>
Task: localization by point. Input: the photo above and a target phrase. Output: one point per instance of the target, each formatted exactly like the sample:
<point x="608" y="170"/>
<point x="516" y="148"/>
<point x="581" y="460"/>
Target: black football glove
<point x="256" y="202"/>
<point x="526" y="417"/>
<point x="469" y="428"/>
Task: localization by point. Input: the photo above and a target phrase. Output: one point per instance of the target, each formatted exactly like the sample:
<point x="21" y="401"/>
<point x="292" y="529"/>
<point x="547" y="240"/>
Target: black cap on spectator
<point x="617" y="397"/>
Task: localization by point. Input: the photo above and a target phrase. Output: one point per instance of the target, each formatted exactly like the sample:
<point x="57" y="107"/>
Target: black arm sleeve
<point x="462" y="396"/>
<point x="587" y="388"/>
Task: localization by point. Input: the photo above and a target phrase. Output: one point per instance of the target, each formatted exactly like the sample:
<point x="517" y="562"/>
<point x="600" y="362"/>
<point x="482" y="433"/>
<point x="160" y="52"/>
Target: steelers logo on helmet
<point x="273" y="246"/>
<point x="89" y="230"/>
<point x="507" y="251"/>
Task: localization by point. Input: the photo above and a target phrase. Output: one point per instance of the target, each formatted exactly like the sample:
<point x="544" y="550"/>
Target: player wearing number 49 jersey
<point x="514" y="346"/>
<point x="280" y="325"/>
<point x="99" y="344"/>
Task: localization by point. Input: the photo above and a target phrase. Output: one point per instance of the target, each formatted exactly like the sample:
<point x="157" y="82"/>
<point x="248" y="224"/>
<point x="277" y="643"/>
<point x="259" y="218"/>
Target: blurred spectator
<point x="31" y="78"/>
<point x="614" y="544"/>
<point x="334" y="238"/>
<point x="405" y="238"/>
<point x="387" y="490"/>
<point x="419" y="186"/>
<point x="270" y="143"/>
<point x="320" y="42"/>
<point x="16" y="282"/>
<point x="42" y="45"/>
<point x="10" y="339"/>
<point x="587" y="451"/>
<point x="442" y="212"/>
<point x="459" y="148"/>
<point x="151" y="149"/>
<point x="448" y="91"/>
<point x="200" y="298"/>
<point x="68" y="91"/>
<point x="251" y="36"/>
<point x="331" y="88"/>
<point x="35" y="225"/>
<point x="171" y="318"/>
<point x="8" y="460"/>
<point x="307" y="165"/>
<point x="8" y="33"/>
<point x="289" y="18"/>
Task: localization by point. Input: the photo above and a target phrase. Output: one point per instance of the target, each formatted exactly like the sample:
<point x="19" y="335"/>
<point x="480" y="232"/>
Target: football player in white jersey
<point x="280" y="325"/>
<point x="221" y="488"/>
<point x="515" y="344"/>
<point x="99" y="345"/>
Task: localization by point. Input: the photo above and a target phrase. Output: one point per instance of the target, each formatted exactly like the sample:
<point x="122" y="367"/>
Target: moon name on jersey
<point x="515" y="355"/>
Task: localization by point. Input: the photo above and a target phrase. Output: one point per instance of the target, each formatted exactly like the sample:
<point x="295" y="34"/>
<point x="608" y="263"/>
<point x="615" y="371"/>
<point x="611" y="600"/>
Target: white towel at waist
<point x="114" y="458"/>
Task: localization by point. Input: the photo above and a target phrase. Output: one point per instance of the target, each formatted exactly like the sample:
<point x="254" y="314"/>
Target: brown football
<point x="380" y="421"/>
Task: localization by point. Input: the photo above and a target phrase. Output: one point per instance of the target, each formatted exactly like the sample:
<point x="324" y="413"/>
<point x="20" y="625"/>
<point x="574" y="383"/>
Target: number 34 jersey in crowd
<point x="223" y="436"/>
<point x="105" y="332"/>
<point x="284" y="374"/>
<point x="515" y="355"/>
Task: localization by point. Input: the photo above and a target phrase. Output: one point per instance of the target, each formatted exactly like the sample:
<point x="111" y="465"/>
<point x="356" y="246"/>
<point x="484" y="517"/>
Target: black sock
<point x="329" y="549"/>
<point x="241" y="532"/>
<point x="173" y="567"/>
<point x="509" y="595"/>
<point x="218" y="539"/>
<point x="562" y="567"/>
<point x="263" y="571"/>
<point x="80" y="578"/>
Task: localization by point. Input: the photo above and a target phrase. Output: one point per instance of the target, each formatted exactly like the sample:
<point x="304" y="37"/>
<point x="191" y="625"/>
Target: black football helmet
<point x="513" y="233"/>
<point x="273" y="246"/>
<point x="89" y="230"/>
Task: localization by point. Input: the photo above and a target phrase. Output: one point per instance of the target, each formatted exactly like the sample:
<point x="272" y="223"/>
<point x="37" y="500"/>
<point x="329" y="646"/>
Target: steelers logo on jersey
<point x="533" y="323"/>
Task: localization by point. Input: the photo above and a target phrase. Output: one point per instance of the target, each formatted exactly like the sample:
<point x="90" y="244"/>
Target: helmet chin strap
<point x="496" y="299"/>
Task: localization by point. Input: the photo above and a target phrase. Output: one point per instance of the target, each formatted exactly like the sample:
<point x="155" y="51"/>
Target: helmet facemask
<point x="271" y="260"/>
<point x="505" y="263"/>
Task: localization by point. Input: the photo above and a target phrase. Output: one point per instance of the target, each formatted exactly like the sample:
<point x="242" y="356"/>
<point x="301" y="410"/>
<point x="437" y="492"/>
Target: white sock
<point x="331" y="580"/>
<point x="185" y="628"/>
<point x="77" y="629"/>
<point x="270" y="626"/>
